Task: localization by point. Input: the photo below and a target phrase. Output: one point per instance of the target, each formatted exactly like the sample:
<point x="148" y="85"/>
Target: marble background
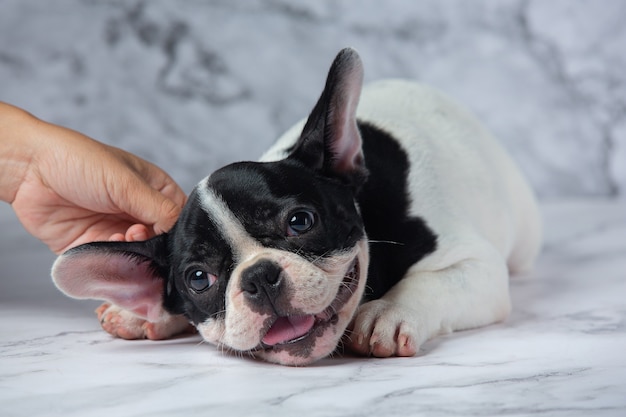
<point x="197" y="84"/>
<point x="194" y="85"/>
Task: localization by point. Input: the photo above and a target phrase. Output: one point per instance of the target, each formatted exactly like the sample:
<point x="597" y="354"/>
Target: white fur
<point x="470" y="193"/>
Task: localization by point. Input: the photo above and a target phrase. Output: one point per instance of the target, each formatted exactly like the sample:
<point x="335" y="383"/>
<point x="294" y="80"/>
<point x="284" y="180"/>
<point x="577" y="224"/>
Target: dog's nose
<point x="262" y="281"/>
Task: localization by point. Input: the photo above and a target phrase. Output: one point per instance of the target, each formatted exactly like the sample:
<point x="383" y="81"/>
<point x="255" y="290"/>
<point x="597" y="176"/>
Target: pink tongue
<point x="288" y="328"/>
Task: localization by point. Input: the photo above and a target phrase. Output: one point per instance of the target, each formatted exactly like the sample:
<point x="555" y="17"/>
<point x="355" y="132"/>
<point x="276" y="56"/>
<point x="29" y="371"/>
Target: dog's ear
<point x="131" y="275"/>
<point x="330" y="141"/>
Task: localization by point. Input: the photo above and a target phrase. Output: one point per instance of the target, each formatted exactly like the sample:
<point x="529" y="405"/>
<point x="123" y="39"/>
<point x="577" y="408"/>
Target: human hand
<point x="69" y="189"/>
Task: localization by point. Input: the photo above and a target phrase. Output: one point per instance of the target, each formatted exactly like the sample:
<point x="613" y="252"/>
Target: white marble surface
<point x="561" y="353"/>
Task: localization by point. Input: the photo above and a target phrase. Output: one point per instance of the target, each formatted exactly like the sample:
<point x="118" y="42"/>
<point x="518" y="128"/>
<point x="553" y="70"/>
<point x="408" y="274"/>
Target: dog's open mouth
<point x="289" y="330"/>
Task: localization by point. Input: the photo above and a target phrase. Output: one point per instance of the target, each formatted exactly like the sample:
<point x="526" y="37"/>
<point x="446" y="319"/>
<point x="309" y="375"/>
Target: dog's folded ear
<point x="128" y="274"/>
<point x="330" y="141"/>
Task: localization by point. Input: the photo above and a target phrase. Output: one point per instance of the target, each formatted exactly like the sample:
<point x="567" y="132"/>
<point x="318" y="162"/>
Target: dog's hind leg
<point x="127" y="325"/>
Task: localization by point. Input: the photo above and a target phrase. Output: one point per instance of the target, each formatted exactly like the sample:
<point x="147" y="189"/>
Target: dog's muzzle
<point x="289" y="329"/>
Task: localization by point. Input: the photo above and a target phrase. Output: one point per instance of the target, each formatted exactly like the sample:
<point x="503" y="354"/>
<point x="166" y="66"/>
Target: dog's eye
<point x="300" y="222"/>
<point x="200" y="280"/>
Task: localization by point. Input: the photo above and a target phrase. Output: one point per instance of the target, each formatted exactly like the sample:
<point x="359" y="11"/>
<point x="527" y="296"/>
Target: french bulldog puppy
<point x="387" y="217"/>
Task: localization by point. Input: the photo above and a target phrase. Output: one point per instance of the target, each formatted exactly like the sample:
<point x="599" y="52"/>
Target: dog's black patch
<point x="197" y="243"/>
<point x="384" y="203"/>
<point x="264" y="196"/>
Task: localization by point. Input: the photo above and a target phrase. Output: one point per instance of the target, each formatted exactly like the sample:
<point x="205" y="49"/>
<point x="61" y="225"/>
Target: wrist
<point x="16" y="148"/>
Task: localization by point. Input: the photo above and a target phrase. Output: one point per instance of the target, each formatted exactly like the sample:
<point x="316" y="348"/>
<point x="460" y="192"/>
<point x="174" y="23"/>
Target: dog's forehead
<point x="226" y="208"/>
<point x="226" y="223"/>
<point x="255" y="194"/>
<point x="262" y="181"/>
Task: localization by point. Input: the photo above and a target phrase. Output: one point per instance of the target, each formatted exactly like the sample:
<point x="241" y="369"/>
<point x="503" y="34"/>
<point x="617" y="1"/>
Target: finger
<point x="117" y="237"/>
<point x="143" y="203"/>
<point x="137" y="232"/>
<point x="167" y="216"/>
<point x="173" y="192"/>
<point x="161" y="181"/>
<point x="155" y="177"/>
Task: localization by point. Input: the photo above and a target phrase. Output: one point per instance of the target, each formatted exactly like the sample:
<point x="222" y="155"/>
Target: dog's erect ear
<point x="131" y="275"/>
<point x="330" y="141"/>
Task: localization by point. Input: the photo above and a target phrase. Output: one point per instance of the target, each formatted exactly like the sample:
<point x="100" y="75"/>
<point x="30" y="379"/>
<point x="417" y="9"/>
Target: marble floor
<point x="561" y="353"/>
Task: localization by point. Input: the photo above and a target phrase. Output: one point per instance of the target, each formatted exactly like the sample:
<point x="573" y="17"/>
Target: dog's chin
<point x="302" y="339"/>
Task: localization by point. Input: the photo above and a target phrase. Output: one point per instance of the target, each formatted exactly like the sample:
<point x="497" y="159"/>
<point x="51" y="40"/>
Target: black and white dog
<point x="388" y="220"/>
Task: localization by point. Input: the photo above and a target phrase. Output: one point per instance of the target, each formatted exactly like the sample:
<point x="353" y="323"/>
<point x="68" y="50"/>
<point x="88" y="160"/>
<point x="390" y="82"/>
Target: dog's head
<point x="266" y="258"/>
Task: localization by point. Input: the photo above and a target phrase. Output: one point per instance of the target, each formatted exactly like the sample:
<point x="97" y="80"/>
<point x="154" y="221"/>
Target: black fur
<point x="397" y="240"/>
<point x="197" y="243"/>
<point x="263" y="196"/>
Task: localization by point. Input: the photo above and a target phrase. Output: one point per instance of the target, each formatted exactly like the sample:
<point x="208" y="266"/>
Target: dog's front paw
<point x="382" y="328"/>
<point x="126" y="325"/>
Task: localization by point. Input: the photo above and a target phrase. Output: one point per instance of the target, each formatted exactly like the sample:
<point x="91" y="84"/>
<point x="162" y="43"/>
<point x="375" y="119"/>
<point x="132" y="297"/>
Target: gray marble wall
<point x="192" y="85"/>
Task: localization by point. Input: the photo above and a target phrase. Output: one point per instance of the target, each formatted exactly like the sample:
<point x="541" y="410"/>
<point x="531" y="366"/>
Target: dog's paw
<point x="126" y="325"/>
<point x="382" y="328"/>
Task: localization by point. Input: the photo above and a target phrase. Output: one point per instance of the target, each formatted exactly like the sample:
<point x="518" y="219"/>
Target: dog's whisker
<point x="390" y="242"/>
<point x="316" y="259"/>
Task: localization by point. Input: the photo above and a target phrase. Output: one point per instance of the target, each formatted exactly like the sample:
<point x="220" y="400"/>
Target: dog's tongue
<point x="288" y="328"/>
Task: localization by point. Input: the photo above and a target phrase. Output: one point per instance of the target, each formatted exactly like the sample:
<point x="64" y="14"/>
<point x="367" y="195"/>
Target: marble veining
<point x="561" y="353"/>
<point x="223" y="79"/>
